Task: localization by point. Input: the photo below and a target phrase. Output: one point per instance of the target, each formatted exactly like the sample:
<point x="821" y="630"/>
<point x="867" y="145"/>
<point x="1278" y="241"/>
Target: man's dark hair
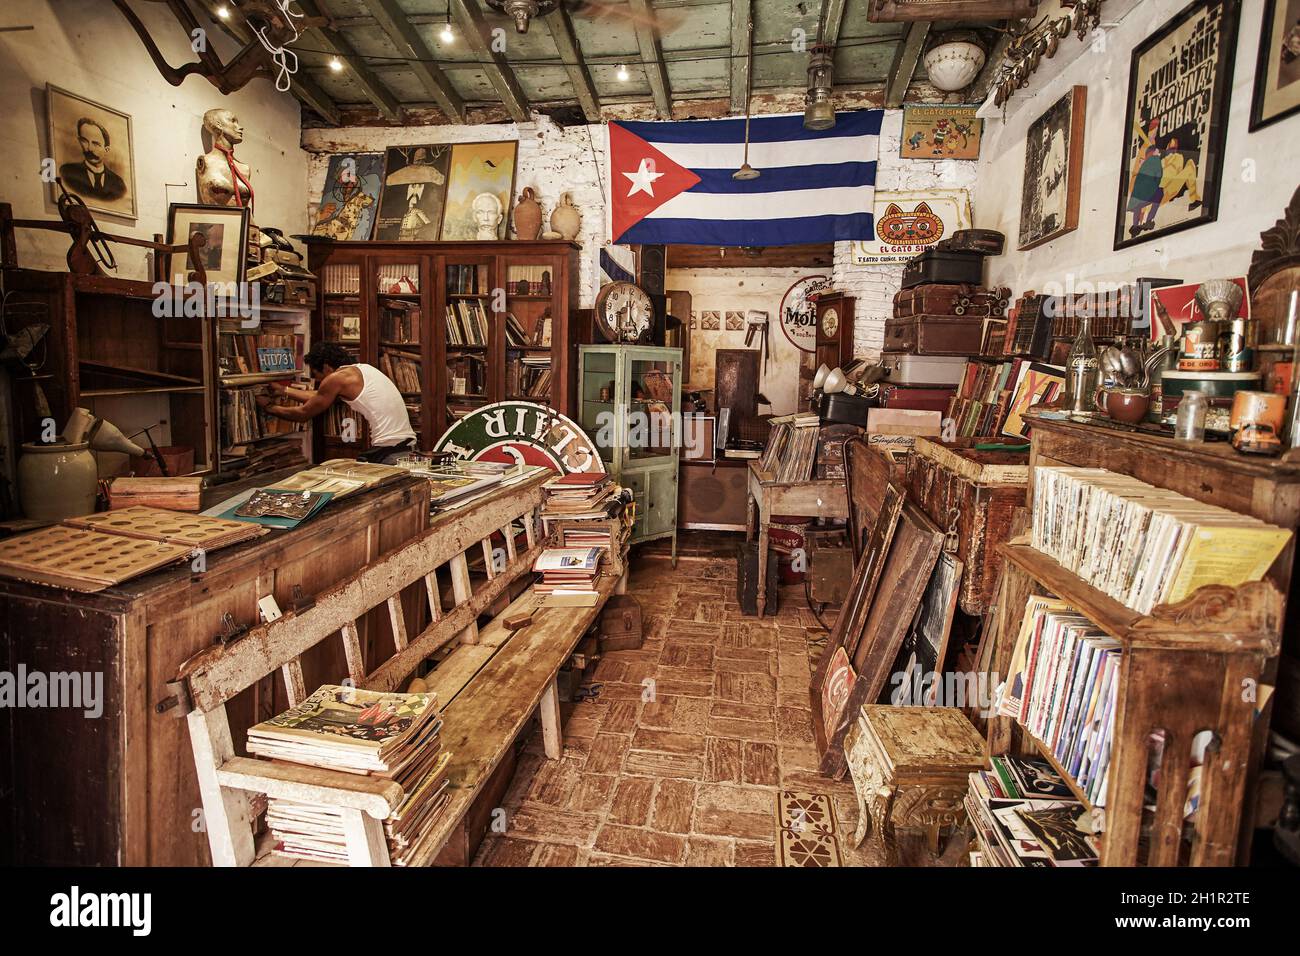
<point x="328" y="353"/>
<point x="87" y="121"/>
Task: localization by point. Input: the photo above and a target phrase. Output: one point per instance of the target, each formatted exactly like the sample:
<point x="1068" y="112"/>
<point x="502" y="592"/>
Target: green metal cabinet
<point x="629" y="403"/>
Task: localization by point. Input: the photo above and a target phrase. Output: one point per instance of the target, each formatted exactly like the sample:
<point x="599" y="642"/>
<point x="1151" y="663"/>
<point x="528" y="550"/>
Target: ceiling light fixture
<point x="622" y="73"/>
<point x="819" y="110"/>
<point x="336" y="64"/>
<point x="522" y="11"/>
<point x="446" y="35"/>
<point x="747" y="172"/>
<point x="223" y="12"/>
<point x="955" y="60"/>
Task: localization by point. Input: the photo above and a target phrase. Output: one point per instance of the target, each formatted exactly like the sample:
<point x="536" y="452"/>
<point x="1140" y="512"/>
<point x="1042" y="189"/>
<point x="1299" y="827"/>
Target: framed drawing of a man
<point x="1049" y="204"/>
<point x="92" y="151"/>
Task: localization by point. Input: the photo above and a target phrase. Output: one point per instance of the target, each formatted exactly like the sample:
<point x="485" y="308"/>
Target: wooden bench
<point x="488" y="686"/>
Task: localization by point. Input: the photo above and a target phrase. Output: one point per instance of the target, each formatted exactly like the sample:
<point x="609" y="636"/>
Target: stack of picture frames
<point x="891" y="637"/>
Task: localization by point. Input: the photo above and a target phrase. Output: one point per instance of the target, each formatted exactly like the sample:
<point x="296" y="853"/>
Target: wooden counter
<point x="121" y="789"/>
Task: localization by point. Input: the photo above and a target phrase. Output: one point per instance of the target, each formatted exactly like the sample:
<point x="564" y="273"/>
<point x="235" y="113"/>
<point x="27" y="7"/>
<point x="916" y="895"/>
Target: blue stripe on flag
<point x="763" y="129"/>
<point x="784" y="178"/>
<point x="612" y="269"/>
<point x="751" y="232"/>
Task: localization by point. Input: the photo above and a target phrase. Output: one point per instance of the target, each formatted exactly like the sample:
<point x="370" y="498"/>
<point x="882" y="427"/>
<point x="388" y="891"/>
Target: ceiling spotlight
<point x="446" y="36"/>
<point x="622" y="73"/>
<point x="336" y="64"/>
<point x="522" y="11"/>
<point x="223" y="12"/>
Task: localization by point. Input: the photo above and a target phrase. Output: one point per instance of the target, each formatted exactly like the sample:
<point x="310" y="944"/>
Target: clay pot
<point x="528" y="215"/>
<point x="567" y="218"/>
<point x="57" y="481"/>
<point x="1127" y="405"/>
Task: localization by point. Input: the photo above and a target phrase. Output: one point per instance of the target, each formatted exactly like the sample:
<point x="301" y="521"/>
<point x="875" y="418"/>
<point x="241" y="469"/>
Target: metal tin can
<point x="1237" y="345"/>
<point x="1200" y="350"/>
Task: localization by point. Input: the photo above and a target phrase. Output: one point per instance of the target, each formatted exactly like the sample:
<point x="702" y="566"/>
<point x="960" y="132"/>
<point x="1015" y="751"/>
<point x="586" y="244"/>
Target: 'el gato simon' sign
<point x="525" y="432"/>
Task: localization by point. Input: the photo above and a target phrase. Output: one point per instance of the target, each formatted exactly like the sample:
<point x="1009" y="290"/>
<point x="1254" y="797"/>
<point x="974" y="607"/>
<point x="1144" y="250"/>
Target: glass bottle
<point x="1189" y="422"/>
<point x="1082" y="368"/>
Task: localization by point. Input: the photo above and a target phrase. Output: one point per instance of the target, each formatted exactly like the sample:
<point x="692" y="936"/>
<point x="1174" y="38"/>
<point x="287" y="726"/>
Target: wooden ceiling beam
<point x="479" y="36"/>
<point x="652" y="57"/>
<point x="742" y="22"/>
<point x="337" y="45"/>
<point x="393" y="21"/>
<point x="575" y="64"/>
<point x="828" y="25"/>
<point x="905" y="61"/>
<point x="979" y="90"/>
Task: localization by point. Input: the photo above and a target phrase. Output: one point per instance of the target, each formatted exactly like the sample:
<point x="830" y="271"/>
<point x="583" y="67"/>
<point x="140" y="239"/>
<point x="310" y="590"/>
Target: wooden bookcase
<point x="1197" y="665"/>
<point x="365" y="286"/>
<point x="106" y="351"/>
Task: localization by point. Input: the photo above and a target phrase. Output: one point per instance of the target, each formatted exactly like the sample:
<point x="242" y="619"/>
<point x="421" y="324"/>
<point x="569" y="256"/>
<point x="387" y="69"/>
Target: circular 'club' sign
<point x="525" y="432"/>
<point x="799" y="315"/>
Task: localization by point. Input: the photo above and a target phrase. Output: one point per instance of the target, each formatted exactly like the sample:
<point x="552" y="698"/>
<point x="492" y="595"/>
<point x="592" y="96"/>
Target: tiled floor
<point x="683" y="756"/>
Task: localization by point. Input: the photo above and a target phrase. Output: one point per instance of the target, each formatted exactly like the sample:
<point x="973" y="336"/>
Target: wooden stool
<point x="909" y="767"/>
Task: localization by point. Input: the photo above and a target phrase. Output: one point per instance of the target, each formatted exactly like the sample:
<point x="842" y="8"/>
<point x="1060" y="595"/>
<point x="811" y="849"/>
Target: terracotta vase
<point x="528" y="215"/>
<point x="57" y="481"/>
<point x="567" y="218"/>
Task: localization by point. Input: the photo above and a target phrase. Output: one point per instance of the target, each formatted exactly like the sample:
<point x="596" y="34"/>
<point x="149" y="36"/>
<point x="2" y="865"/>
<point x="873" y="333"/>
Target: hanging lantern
<point x="819" y="111"/>
<point x="954" y="61"/>
<point x="522" y="11"/>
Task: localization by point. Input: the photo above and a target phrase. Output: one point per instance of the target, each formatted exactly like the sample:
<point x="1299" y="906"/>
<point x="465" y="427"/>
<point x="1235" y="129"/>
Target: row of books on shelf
<point x="270" y="347"/>
<point x="993" y="396"/>
<point x="1143" y="545"/>
<point x="341" y="278"/>
<point x="1024" y="815"/>
<point x="404" y="369"/>
<point x="467" y="375"/>
<point x="254" y="458"/>
<point x="528" y="280"/>
<point x="391" y="736"/>
<point x="399" y="322"/>
<point x="243" y="421"/>
<point x="397" y="278"/>
<point x="463" y="280"/>
<point x="1063" y="688"/>
<point x="467" y="323"/>
<point x="529" y="376"/>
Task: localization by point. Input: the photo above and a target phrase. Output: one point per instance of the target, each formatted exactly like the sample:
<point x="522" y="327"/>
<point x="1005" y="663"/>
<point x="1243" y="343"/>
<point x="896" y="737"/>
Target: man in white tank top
<point x="363" y="387"/>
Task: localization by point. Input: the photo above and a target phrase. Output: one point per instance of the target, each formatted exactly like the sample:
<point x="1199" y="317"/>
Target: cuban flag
<point x="671" y="182"/>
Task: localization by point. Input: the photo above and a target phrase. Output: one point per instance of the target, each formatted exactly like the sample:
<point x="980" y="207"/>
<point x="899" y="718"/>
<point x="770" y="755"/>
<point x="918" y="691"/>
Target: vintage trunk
<point x="121" y="790"/>
<point x="918" y="399"/>
<point x="934" y="335"/>
<point x="953" y="268"/>
<point x="972" y="301"/>
<point x="983" y="489"/>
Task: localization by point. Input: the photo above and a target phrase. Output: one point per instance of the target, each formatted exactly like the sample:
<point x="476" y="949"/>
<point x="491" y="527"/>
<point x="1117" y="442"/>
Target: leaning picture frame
<point x="224" y="252"/>
<point x="1277" y="73"/>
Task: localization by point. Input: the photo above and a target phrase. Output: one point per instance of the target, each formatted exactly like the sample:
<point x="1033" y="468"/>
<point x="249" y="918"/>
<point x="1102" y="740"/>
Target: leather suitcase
<point x="932" y="399"/>
<point x="934" y="335"/>
<point x="974" y="302"/>
<point x="951" y="268"/>
<point x="986" y="242"/>
<point x="906" y="369"/>
<point x="844" y="409"/>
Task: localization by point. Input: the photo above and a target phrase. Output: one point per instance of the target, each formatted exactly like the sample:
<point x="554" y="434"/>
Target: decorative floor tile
<point x="806" y="835"/>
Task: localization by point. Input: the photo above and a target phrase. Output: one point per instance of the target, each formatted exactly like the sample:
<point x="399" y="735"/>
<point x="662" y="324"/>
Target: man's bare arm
<point x="318" y="401"/>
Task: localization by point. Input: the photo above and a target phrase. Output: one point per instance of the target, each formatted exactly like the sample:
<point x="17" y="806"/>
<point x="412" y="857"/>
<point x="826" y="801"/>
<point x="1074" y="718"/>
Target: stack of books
<point x="467" y="324"/>
<point x="568" y="570"/>
<point x="1143" y="545"/>
<point x="395" y="736"/>
<point x="581" y="494"/>
<point x="402" y="368"/>
<point x="1024" y="816"/>
<point x="1063" y="687"/>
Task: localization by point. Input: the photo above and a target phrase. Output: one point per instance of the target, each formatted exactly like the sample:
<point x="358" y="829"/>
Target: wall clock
<point x="830" y="322"/>
<point x="624" y="313"/>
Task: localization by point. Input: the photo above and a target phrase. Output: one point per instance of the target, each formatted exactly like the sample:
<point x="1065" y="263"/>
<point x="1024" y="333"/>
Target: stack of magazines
<point x="363" y="732"/>
<point x="568" y="570"/>
<point x="1025" y="816"/>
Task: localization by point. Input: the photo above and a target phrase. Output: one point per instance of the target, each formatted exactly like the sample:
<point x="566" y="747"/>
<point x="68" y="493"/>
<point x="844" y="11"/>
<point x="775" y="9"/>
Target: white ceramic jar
<point x="57" y="481"/>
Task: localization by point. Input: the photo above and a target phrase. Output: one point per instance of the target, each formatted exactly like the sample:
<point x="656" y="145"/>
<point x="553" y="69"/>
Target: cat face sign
<point x="920" y="227"/>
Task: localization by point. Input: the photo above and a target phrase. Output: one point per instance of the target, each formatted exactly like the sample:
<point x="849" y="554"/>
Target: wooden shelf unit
<point x="432" y="267"/>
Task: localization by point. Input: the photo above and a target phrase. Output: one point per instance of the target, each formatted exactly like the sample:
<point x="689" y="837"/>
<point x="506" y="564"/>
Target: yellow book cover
<point x="1226" y="555"/>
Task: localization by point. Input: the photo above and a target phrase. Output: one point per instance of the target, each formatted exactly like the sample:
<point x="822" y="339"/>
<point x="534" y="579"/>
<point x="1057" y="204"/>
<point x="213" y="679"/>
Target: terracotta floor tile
<point x="729" y="687"/>
<point x="667" y="741"/>
<point x="640" y="844"/>
<point x="743" y="812"/>
<point x="744" y="729"/>
<point x="748" y="853"/>
<point x="593" y="792"/>
<point x="794" y="726"/>
<point x="710" y="851"/>
<point x="620" y="717"/>
<point x="503" y="851"/>
<point x="607" y="753"/>
<point x="551" y="825"/>
<point x="735" y="711"/>
<point x="674" y="802"/>
<point x="654" y="764"/>
<point x="759" y="764"/>
<point x="632" y="800"/>
<point x="723" y="760"/>
<point x="690" y="715"/>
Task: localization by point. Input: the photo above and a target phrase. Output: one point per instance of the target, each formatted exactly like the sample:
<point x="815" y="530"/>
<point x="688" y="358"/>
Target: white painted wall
<point x="1219" y="249"/>
<point x="88" y="48"/>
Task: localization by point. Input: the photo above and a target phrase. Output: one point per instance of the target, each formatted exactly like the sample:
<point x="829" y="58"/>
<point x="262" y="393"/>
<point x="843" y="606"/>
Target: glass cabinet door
<point x="598" y="404"/>
<point x="652" y="406"/>
<point x="468" y="334"/>
<point x="399" y="314"/>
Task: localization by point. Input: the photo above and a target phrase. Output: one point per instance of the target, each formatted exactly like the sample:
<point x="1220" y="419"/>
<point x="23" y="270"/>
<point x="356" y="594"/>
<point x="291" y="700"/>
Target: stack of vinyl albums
<point x="362" y="732"/>
<point x="1025" y="816"/>
<point x="1144" y="545"/>
<point x="568" y="570"/>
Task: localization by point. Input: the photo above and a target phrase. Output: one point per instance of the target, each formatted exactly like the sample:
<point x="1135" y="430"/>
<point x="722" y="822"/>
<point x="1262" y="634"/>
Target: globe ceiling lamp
<point x="955" y="60"/>
<point x="522" y="11"/>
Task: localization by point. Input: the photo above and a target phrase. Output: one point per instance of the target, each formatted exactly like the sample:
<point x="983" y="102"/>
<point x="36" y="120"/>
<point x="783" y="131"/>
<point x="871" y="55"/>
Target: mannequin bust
<point x="222" y="179"/>
<point x="487" y="215"/>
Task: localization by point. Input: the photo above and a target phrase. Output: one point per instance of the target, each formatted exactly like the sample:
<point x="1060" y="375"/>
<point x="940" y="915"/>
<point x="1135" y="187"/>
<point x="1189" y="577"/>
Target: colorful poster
<point x="415" y="185"/>
<point x="938" y="131"/>
<point x="349" y="201"/>
<point x="909" y="223"/>
<point x="480" y="184"/>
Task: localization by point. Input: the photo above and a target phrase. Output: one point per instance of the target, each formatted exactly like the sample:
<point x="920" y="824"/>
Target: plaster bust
<point x="487" y="215"/>
<point x="223" y="180"/>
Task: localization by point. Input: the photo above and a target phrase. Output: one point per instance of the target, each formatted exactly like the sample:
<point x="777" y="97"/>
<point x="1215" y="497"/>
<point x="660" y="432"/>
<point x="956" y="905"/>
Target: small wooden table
<point x="818" y="498"/>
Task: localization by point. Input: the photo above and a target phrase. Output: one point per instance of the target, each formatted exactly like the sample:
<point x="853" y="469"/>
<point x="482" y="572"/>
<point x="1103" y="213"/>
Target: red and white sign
<point x="799" y="312"/>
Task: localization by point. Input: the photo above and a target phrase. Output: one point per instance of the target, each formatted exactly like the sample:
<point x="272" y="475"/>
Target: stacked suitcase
<point x="939" y="320"/>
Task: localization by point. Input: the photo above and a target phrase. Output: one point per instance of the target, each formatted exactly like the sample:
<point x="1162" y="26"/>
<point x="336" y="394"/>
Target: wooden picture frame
<point x="924" y="651"/>
<point x="108" y="136"/>
<point x="1273" y="65"/>
<point x="225" y="254"/>
<point x="1145" y="181"/>
<point x="1053" y="182"/>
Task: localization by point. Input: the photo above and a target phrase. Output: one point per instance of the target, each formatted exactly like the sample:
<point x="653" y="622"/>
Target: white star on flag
<point x="643" y="179"/>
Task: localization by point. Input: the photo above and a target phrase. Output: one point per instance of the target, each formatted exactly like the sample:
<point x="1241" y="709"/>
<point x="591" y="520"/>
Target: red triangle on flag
<point x="641" y="179"/>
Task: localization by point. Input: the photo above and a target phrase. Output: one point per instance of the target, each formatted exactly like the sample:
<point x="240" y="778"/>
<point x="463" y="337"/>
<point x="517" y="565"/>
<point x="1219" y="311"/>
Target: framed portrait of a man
<point x="1180" y="82"/>
<point x="93" y="152"/>
<point x="1049" y="203"/>
<point x="1277" y="77"/>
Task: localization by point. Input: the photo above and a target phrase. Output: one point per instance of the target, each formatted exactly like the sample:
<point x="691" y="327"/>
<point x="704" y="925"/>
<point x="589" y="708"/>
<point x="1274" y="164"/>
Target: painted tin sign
<point x="799" y="312"/>
<point x="522" y="432"/>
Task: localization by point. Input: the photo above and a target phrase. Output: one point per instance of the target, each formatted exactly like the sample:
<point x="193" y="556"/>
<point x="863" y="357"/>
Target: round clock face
<point x="830" y="322"/>
<point x="624" y="312"/>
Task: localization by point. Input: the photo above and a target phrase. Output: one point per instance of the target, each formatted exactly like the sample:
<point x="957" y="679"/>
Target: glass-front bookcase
<point x="629" y="399"/>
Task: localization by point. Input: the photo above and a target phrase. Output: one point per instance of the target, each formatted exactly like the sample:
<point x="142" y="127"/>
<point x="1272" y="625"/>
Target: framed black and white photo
<point x="1180" y="81"/>
<point x="1049" y="204"/>
<point x="1277" y="77"/>
<point x="92" y="152"/>
<point x="225" y="231"/>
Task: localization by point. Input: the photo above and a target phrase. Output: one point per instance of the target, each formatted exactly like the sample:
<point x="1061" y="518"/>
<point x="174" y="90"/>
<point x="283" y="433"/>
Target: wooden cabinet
<point x="834" y="329"/>
<point x="457" y="325"/>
